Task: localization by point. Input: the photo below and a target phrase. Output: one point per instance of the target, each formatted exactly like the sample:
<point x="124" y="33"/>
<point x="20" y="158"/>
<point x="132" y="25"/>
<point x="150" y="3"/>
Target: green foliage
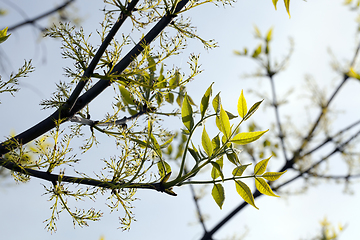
<point x="3" y="35"/>
<point x="142" y="86"/>
<point x="10" y="85"/>
<point x="287" y="5"/>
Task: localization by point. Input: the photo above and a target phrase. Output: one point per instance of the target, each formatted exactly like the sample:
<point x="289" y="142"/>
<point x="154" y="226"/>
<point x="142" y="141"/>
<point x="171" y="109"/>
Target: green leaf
<point x="152" y="64"/>
<point x="156" y="145"/>
<point x="247" y="137"/>
<point x="216" y="142"/>
<point x="233" y="158"/>
<point x="194" y="153"/>
<point x="260" y="167"/>
<point x="169" y="97"/>
<point x="205" y="101"/>
<point x="242" y="106"/>
<point x="264" y="187"/>
<point x="126" y="96"/>
<point x="257" y="32"/>
<point x="167" y="143"/>
<point x="164" y="168"/>
<point x="230" y="115"/>
<point x="272" y="176"/>
<point x="245" y="192"/>
<point x="252" y="110"/>
<point x="166" y="178"/>
<point x="224" y="123"/>
<point x="269" y="35"/>
<point x="216" y="171"/>
<point x="218" y="194"/>
<point x="186" y="114"/>
<point x="257" y="52"/>
<point x="206" y="143"/>
<point x="287" y="6"/>
<point x="275" y="2"/>
<point x="3" y="36"/>
<point x="175" y="80"/>
<point x="351" y="73"/>
<point x="238" y="171"/>
<point x="216" y="103"/>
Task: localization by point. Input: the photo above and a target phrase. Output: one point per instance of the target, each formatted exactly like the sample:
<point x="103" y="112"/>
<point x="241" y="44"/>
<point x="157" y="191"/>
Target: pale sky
<point x="315" y="26"/>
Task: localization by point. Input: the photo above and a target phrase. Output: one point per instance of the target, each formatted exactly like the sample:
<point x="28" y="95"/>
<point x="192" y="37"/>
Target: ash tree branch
<point x="54" y="178"/>
<point x="338" y="148"/>
<point x="33" y="20"/>
<point x="63" y="112"/>
<point x="330" y="138"/>
<point x="296" y="155"/>
<point x="75" y="104"/>
<point x="198" y="210"/>
<point x="316" y="123"/>
<point x="121" y="121"/>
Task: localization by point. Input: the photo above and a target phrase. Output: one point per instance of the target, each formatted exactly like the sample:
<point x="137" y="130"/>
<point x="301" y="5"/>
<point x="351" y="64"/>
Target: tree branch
<point x="64" y="111"/>
<point x="33" y="20"/>
<point x="84" y="181"/>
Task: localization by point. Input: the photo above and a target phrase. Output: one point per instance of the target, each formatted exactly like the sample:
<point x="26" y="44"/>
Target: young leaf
<point x="275" y="2"/>
<point x="247" y="137"/>
<point x="156" y="145"/>
<point x="245" y="192"/>
<point x="3" y="36"/>
<point x="269" y="35"/>
<point x="257" y="32"/>
<point x="186" y="114"/>
<point x="287" y="6"/>
<point x="164" y="168"/>
<point x="233" y="158"/>
<point x="260" y="167"/>
<point x="194" y="152"/>
<point x="126" y="96"/>
<point x="166" y="178"/>
<point x="216" y="142"/>
<point x="175" y="80"/>
<point x="206" y="143"/>
<point x="252" y="110"/>
<point x="169" y="97"/>
<point x="272" y="176"/>
<point x="264" y="187"/>
<point x="238" y="171"/>
<point x="224" y="123"/>
<point x="218" y="194"/>
<point x="152" y="64"/>
<point x="216" y="170"/>
<point x="257" y="52"/>
<point x="205" y="101"/>
<point x="216" y="103"/>
<point x="167" y="143"/>
<point x="230" y="115"/>
<point x="242" y="106"/>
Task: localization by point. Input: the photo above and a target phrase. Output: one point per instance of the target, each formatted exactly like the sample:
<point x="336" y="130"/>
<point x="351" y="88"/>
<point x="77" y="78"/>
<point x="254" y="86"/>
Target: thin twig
<point x="198" y="210"/>
<point x="33" y="20"/>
